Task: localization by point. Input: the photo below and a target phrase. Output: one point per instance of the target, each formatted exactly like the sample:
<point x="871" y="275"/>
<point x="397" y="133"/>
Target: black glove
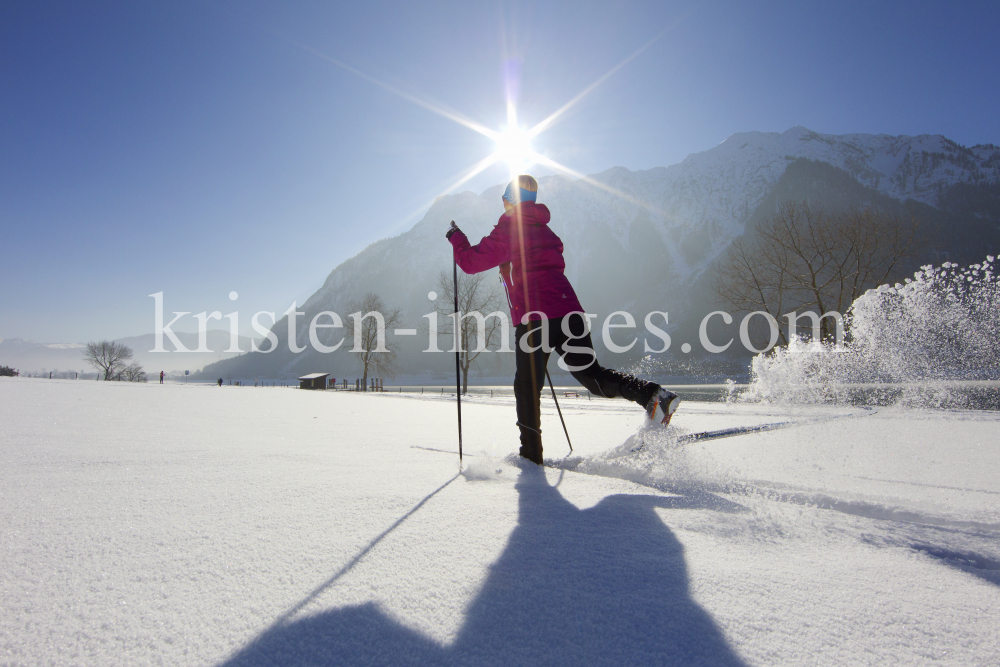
<point x="451" y="230"/>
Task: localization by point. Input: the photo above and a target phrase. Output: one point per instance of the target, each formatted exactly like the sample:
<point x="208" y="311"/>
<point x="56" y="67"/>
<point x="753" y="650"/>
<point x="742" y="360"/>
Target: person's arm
<point x="491" y="252"/>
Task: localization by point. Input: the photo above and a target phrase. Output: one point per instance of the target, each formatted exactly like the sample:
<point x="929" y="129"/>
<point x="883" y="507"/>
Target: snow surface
<point x="182" y="524"/>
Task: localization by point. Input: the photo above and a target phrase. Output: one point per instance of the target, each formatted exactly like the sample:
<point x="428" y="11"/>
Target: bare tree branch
<point x="107" y="357"/>
<point x="801" y="259"/>
<point x="375" y="356"/>
<point x="133" y="373"/>
<point x="477" y="293"/>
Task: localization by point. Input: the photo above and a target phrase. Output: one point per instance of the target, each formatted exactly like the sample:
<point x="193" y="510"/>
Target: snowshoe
<point x="661" y="406"/>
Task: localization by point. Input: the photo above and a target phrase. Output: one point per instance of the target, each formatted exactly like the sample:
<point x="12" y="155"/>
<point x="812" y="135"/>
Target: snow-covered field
<point x="194" y="525"/>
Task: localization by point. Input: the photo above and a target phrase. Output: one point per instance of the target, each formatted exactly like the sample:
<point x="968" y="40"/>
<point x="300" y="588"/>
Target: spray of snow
<point x="926" y="338"/>
<point x="656" y="457"/>
<point x="485" y="466"/>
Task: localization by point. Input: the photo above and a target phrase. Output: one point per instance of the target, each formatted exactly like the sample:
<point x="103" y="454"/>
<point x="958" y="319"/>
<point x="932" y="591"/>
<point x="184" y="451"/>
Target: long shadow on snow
<point x="601" y="586"/>
<point x="979" y="566"/>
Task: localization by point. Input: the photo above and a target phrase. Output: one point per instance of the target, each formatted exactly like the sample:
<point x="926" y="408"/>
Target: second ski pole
<point x="458" y="363"/>
<point x="559" y="410"/>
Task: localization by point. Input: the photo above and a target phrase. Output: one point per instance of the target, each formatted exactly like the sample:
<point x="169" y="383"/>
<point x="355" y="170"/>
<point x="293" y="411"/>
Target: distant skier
<point x="161" y="377"/>
<point x="220" y="382"/>
<point x="543" y="304"/>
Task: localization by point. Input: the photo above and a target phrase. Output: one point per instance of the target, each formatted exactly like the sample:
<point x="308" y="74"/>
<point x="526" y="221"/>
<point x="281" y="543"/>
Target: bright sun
<point x="514" y="148"/>
<point x="514" y="143"/>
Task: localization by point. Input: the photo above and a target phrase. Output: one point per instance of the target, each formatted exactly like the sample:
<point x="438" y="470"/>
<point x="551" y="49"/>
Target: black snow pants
<point x="577" y="352"/>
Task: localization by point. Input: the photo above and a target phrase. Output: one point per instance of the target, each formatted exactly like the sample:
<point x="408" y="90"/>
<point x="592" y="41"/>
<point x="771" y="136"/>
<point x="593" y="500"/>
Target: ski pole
<point x="553" y="389"/>
<point x="458" y="365"/>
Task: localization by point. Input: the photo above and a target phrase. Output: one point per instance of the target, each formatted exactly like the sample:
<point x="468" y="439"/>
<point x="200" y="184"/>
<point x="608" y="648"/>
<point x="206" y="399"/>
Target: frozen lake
<point x="191" y="524"/>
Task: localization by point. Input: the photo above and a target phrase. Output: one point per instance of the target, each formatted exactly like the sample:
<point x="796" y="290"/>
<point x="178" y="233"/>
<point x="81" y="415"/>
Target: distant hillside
<point x="29" y="356"/>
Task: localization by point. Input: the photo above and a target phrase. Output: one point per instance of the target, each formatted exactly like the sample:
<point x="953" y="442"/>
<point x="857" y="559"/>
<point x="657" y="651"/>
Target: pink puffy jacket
<point x="531" y="263"/>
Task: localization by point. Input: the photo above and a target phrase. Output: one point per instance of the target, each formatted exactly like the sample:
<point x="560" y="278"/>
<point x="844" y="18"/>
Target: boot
<point x="531" y="443"/>
<point x="662" y="405"/>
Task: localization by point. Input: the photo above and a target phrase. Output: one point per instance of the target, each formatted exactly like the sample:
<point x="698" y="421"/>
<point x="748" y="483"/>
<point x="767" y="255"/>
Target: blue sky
<point x="197" y="148"/>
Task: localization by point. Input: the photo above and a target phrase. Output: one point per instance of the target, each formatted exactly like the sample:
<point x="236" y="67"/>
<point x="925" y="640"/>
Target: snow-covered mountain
<point x="643" y="238"/>
<point x="29" y="356"/>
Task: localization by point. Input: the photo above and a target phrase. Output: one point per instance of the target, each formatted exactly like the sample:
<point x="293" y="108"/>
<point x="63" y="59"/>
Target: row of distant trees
<point x="110" y="358"/>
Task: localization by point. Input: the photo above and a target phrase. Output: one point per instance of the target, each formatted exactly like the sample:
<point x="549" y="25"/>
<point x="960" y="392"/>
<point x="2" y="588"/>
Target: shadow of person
<point x="606" y="585"/>
<point x="602" y="586"/>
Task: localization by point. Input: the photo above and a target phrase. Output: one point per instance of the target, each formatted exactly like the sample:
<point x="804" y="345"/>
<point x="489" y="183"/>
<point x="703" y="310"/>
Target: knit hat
<point x="523" y="188"/>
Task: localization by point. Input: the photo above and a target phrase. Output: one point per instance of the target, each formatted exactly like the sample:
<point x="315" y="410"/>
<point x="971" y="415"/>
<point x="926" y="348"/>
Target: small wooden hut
<point x="313" y="381"/>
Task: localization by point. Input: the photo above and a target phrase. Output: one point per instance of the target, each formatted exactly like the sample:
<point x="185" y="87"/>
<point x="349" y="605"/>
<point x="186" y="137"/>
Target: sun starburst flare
<point x="514" y="148"/>
<point x="514" y="143"/>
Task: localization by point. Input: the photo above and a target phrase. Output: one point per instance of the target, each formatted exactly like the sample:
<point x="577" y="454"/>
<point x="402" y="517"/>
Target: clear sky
<point x="198" y="148"/>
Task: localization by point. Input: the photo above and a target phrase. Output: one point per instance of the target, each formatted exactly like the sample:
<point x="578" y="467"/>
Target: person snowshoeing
<point x="547" y="314"/>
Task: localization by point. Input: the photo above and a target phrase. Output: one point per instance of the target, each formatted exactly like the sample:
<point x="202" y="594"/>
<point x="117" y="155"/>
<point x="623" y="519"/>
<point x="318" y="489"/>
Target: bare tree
<point x="479" y="296"/>
<point x="133" y="373"/>
<point x="375" y="355"/>
<point x="107" y="357"/>
<point x="801" y="260"/>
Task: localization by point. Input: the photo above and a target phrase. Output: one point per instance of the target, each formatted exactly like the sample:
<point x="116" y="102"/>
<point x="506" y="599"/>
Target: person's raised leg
<point x="577" y="352"/>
